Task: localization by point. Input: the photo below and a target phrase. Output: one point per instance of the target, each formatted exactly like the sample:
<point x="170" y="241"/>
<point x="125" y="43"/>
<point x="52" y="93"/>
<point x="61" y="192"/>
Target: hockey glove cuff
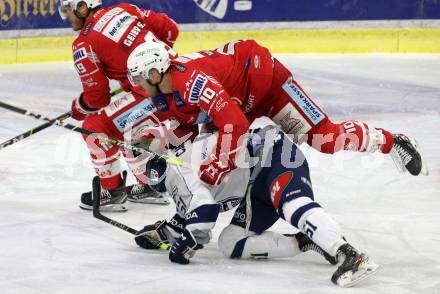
<point x="145" y="237"/>
<point x="215" y="168"/>
<point x="184" y="248"/>
<point x="80" y="110"/>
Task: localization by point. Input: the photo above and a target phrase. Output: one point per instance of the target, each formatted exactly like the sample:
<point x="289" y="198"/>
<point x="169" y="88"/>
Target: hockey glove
<point x="152" y="232"/>
<point x="215" y="168"/>
<point x="184" y="248"/>
<point x="80" y="110"/>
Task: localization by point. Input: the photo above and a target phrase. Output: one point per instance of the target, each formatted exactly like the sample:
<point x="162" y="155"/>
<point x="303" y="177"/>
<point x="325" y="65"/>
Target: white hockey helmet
<point x="64" y="4"/>
<point x="145" y="57"/>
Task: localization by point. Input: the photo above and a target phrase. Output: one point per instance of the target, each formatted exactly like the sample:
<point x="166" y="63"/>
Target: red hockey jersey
<point x="222" y="85"/>
<point x="101" y="50"/>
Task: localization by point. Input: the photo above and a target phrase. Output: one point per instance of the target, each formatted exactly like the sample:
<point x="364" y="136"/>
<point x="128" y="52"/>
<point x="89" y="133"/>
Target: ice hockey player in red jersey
<point x="106" y="38"/>
<point x="236" y="83"/>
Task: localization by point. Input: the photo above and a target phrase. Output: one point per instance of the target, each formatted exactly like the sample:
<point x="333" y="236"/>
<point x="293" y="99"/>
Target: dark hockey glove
<point x="145" y="237"/>
<point x="184" y="248"/>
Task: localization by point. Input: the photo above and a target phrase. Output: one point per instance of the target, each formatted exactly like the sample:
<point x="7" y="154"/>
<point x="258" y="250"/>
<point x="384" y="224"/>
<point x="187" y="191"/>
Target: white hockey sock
<point x="323" y="231"/>
<point x="308" y="217"/>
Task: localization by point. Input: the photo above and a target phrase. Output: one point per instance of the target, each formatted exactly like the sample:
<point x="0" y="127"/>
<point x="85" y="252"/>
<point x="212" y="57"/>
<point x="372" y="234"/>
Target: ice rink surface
<point x="49" y="245"/>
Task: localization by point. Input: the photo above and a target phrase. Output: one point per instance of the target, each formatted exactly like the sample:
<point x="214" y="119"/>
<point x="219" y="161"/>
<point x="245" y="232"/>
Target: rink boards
<point x="390" y="40"/>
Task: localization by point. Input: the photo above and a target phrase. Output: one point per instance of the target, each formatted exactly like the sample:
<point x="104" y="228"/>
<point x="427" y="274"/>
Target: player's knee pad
<point x="231" y="240"/>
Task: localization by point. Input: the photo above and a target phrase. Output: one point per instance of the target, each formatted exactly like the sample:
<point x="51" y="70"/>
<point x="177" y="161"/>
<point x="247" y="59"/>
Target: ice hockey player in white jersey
<point x="279" y="187"/>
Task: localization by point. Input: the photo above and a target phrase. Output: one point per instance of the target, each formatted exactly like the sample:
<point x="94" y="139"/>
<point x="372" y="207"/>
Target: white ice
<point x="49" y="245"/>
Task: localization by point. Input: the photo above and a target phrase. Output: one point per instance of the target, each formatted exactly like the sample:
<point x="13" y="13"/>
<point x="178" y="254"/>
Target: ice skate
<point x="110" y="200"/>
<point x="407" y="156"/>
<point x="354" y="268"/>
<point x="144" y="194"/>
<point x="306" y="244"/>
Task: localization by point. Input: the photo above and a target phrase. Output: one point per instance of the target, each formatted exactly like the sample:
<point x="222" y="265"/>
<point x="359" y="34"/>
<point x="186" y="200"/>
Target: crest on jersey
<point x="161" y="103"/>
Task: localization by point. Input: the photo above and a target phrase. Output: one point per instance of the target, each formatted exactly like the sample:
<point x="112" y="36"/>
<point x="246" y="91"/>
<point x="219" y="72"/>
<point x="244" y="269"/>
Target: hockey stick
<point x="113" y="141"/>
<point x="97" y="214"/>
<point x="40" y="127"/>
<point x="34" y="130"/>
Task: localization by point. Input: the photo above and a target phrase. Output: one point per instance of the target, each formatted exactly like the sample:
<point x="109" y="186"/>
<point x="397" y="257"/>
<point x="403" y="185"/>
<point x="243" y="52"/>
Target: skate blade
<point x="424" y="170"/>
<point x="156" y="201"/>
<point x="399" y="163"/>
<point x="365" y="270"/>
<point x="106" y="208"/>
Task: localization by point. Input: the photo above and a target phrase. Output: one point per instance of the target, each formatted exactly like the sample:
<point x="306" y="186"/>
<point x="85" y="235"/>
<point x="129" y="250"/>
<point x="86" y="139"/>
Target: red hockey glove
<point x="215" y="168"/>
<point x="79" y="110"/>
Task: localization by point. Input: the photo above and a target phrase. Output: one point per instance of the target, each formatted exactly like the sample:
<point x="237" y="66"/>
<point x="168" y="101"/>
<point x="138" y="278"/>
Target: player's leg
<point x="257" y="242"/>
<point x="299" y="116"/>
<point x="105" y="159"/>
<point x="290" y="192"/>
<point x="141" y="192"/>
<point x="235" y="242"/>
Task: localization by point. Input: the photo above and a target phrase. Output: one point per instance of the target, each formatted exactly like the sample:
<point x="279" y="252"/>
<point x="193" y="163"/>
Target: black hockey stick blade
<point x="97" y="214"/>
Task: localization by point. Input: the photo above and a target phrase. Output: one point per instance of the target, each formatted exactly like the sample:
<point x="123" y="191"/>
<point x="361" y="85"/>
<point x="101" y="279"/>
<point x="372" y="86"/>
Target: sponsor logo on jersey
<point x="180" y="67"/>
<point x="191" y="215"/>
<point x="197" y="88"/>
<point x="291" y="121"/>
<point x="179" y="101"/>
<point x="303" y="102"/>
<point x="79" y="54"/>
<point x="118" y="26"/>
<point x="278" y="186"/>
<point x="257" y="61"/>
<point x="240" y="216"/>
<point x="249" y="104"/>
<point x="100" y="24"/>
<point x="132" y="35"/>
<point x="119" y="104"/>
<point x="87" y="28"/>
<point x="134" y="115"/>
<point x="229" y="203"/>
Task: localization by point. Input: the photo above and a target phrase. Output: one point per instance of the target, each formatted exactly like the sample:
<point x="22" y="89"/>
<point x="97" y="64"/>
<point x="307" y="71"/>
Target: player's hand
<point x="155" y="231"/>
<point x="184" y="248"/>
<point x="213" y="170"/>
<point x="79" y="110"/>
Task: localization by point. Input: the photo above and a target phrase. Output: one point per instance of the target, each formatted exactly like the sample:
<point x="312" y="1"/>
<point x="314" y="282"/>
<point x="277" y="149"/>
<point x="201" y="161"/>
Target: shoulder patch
<point x="161" y="103"/>
<point x="86" y="31"/>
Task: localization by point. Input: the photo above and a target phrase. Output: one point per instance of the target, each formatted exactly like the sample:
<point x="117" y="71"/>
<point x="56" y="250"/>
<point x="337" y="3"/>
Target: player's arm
<point x="196" y="209"/>
<point x="229" y="119"/>
<point x="95" y="84"/>
<point x="162" y="26"/>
